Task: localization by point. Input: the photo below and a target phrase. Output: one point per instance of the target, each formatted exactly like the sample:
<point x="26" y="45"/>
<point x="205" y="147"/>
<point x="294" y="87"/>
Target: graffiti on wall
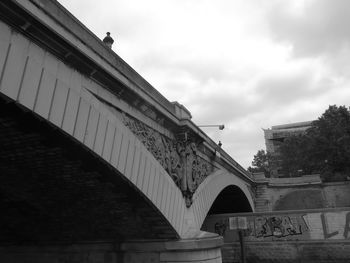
<point x="328" y="225"/>
<point x="266" y="226"/>
<point x="289" y="226"/>
<point x="276" y="226"/>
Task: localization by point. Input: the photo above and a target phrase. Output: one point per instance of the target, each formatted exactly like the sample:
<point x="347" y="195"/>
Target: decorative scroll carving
<point x="178" y="158"/>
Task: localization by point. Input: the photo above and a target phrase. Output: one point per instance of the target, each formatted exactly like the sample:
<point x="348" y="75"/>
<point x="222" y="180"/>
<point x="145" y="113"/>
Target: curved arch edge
<point x="210" y="189"/>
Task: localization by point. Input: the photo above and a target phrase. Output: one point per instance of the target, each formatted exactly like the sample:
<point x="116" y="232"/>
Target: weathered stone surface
<point x="308" y="192"/>
<point x="293" y="236"/>
<point x="178" y="157"/>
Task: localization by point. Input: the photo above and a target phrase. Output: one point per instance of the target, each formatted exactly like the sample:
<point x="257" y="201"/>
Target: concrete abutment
<point x="202" y="249"/>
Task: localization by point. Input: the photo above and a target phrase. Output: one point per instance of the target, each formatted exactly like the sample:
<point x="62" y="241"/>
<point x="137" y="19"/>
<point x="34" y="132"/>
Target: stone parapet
<point x="295" y="181"/>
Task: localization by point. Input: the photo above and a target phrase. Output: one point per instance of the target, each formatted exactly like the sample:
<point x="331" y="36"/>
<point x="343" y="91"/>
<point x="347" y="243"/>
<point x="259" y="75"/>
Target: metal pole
<point x="220" y="126"/>
<point x="241" y="242"/>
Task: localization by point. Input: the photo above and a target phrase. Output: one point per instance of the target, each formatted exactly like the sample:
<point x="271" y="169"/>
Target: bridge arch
<point x="45" y="86"/>
<point x="49" y="177"/>
<point x="62" y="94"/>
<point x="219" y="184"/>
<point x="76" y="105"/>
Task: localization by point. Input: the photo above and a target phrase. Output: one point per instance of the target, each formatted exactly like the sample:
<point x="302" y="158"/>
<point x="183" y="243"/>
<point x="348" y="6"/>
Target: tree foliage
<point x="324" y="148"/>
<point x="293" y="156"/>
<point x="260" y="163"/>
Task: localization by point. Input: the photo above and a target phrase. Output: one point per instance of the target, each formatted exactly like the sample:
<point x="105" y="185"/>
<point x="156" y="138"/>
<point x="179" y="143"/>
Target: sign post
<point x="240" y="224"/>
<point x="241" y="242"/>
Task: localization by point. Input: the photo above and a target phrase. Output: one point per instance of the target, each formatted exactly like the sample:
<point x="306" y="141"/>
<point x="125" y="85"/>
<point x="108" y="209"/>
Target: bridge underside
<point x="52" y="189"/>
<point x="231" y="200"/>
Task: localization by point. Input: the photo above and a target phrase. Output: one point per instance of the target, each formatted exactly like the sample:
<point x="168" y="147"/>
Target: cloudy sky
<point x="248" y="64"/>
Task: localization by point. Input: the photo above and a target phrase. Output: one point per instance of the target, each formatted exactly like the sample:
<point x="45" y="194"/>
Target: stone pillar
<point x="205" y="249"/>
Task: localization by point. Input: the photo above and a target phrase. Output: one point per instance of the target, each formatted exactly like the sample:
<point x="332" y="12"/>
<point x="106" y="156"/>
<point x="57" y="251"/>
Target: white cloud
<point x="320" y="27"/>
<point x="247" y="63"/>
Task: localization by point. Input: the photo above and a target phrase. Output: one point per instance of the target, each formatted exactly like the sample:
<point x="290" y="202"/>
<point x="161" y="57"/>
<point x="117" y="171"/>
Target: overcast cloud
<point x="249" y="64"/>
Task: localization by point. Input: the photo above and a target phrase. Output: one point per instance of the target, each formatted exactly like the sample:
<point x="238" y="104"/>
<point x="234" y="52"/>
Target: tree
<point x="294" y="156"/>
<point x="260" y="163"/>
<point x="324" y="148"/>
<point x="331" y="141"/>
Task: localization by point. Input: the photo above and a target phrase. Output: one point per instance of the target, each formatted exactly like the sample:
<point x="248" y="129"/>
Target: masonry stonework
<point x="294" y="236"/>
<point x="307" y="192"/>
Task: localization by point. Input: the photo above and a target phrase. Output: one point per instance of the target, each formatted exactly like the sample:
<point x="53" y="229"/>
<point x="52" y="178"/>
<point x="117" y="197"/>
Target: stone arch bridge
<point x="95" y="164"/>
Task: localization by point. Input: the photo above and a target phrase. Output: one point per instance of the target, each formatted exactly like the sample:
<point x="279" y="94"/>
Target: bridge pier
<point x="206" y="248"/>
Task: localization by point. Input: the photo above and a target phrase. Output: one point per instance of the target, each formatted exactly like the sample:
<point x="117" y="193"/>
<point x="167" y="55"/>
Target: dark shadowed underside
<point x="52" y="189"/>
<point x="230" y="200"/>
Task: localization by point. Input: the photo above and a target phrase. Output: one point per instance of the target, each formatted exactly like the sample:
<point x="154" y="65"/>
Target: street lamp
<point x="221" y="126"/>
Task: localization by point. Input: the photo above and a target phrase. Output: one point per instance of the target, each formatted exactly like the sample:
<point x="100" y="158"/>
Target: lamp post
<point x="221" y="126"/>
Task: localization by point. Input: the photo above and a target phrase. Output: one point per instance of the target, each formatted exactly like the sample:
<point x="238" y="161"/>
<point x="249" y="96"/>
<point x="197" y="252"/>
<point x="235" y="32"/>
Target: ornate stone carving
<point x="179" y="158"/>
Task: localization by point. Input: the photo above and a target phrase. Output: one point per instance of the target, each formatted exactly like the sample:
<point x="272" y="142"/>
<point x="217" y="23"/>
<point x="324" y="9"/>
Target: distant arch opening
<point x="230" y="200"/>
